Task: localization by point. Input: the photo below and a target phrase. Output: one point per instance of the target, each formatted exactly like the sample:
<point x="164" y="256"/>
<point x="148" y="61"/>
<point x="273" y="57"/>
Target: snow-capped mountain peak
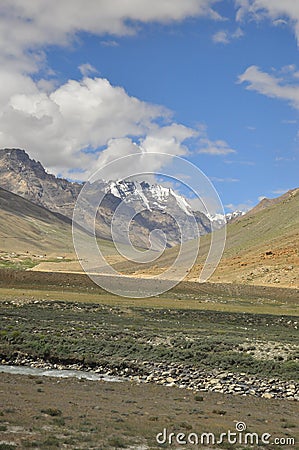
<point x="233" y="215"/>
<point x="219" y="220"/>
<point x="151" y="197"/>
<point x="158" y="197"/>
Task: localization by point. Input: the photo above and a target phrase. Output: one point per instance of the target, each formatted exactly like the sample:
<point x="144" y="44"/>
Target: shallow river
<point x="63" y="373"/>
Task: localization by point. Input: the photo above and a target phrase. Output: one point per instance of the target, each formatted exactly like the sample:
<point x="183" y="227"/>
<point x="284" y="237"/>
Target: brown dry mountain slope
<point x="262" y="247"/>
<point x="32" y="235"/>
<point x="27" y="229"/>
<point x="26" y="177"/>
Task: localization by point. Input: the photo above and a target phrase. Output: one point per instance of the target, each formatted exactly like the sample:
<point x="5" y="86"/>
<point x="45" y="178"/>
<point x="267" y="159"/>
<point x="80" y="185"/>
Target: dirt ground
<point x="47" y="413"/>
<point x="255" y="270"/>
<point x="41" y="412"/>
<point x="81" y="282"/>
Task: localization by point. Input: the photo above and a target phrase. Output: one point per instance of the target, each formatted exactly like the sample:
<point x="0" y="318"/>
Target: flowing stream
<point x="58" y="373"/>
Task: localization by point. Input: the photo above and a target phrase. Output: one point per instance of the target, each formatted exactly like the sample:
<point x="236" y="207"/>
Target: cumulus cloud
<point x="270" y="85"/>
<point x="82" y="124"/>
<point x="87" y="69"/>
<point x="168" y="139"/>
<point x="225" y="37"/>
<point x="78" y="115"/>
<point x="28" y="25"/>
<point x="221" y="37"/>
<point x="217" y="147"/>
<point x="212" y="147"/>
<point x="85" y="124"/>
<point x="278" y="11"/>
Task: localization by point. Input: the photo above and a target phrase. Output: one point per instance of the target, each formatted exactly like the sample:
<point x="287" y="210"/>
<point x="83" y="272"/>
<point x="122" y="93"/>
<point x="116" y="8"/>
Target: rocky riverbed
<point x="181" y="376"/>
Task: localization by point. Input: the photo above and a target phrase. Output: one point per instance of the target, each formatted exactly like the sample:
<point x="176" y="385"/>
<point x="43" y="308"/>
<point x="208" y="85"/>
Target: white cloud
<point x="241" y="163"/>
<point x="82" y="124"/>
<point x="289" y="68"/>
<point x="225" y="37"/>
<point x="89" y="114"/>
<point x="239" y="206"/>
<point x="87" y="69"/>
<point x="280" y="191"/>
<point x="276" y="192"/>
<point x="270" y="85"/>
<point x="168" y="139"/>
<point x="280" y="22"/>
<point x="109" y="43"/>
<point x="217" y="147"/>
<point x="279" y="12"/>
<point x="79" y="115"/>
<point x="221" y="37"/>
<point x="28" y="25"/>
<point x="210" y="147"/>
<point x="225" y="180"/>
<point x="289" y="121"/>
<point x="284" y="159"/>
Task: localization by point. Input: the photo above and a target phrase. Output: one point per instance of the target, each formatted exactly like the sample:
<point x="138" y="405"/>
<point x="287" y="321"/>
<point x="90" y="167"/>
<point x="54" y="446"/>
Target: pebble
<point x="184" y="377"/>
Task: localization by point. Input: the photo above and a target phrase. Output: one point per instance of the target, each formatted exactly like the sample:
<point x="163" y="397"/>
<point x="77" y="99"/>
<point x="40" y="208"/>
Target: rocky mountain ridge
<point x="152" y="206"/>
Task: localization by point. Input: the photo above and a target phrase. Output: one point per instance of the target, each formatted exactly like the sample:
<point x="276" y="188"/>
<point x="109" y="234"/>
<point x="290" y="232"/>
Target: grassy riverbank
<point x="93" y="334"/>
<point x="65" y="320"/>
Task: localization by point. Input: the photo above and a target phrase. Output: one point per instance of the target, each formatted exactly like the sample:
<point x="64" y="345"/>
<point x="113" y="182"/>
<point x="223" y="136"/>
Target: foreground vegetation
<point x="62" y="318"/>
<point x="46" y="413"/>
<point x="93" y="334"/>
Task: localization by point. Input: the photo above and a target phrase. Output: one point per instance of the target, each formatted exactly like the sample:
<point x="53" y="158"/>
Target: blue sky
<point x="216" y="82"/>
